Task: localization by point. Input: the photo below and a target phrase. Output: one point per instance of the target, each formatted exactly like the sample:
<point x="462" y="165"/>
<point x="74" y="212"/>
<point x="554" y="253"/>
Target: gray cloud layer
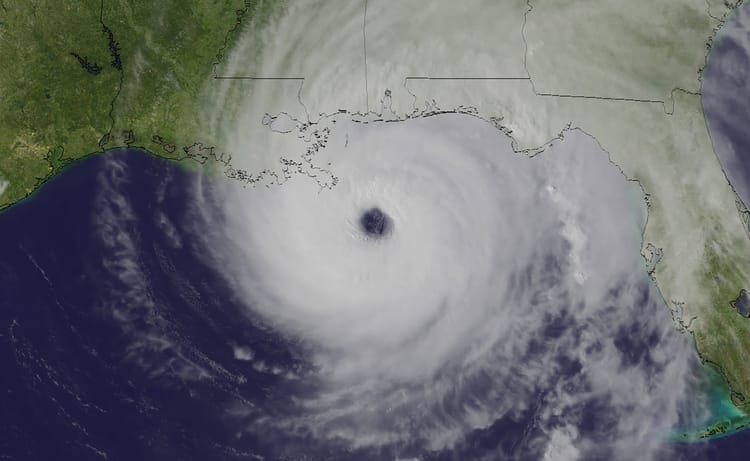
<point x="510" y="288"/>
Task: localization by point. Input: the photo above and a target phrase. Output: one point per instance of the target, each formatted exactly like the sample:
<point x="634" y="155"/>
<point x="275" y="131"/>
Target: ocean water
<point x="118" y="341"/>
<point x="726" y="100"/>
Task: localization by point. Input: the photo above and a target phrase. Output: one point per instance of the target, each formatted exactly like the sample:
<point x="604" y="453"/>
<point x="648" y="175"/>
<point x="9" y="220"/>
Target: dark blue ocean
<point x="92" y="369"/>
<point x="726" y="100"/>
<point x="116" y="339"/>
<point x="85" y="376"/>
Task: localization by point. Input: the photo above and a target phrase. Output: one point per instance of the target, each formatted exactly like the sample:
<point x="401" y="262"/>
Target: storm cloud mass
<point x="510" y="292"/>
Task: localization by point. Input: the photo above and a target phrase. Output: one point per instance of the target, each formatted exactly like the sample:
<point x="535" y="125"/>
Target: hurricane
<point x="446" y="283"/>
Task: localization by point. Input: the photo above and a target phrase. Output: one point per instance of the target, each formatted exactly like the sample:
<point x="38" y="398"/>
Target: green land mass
<point x="85" y="76"/>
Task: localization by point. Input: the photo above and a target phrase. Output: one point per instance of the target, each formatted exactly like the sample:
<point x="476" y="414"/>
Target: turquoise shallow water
<point x="724" y="419"/>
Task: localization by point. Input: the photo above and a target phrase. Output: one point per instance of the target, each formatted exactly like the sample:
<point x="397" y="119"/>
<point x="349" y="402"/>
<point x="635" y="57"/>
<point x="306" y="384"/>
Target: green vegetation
<point x="49" y="101"/>
<point x="82" y="77"/>
<point x="722" y="334"/>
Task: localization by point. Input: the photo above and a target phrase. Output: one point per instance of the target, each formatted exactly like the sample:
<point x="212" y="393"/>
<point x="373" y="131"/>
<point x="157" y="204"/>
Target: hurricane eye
<point x="375" y="223"/>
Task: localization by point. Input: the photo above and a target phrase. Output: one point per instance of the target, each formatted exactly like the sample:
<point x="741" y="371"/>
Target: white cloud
<point x="562" y="447"/>
<point x="243" y="353"/>
<point x="505" y="278"/>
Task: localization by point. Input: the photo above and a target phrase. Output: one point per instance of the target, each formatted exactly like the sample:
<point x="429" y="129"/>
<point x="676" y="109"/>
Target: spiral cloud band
<point x="447" y="282"/>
